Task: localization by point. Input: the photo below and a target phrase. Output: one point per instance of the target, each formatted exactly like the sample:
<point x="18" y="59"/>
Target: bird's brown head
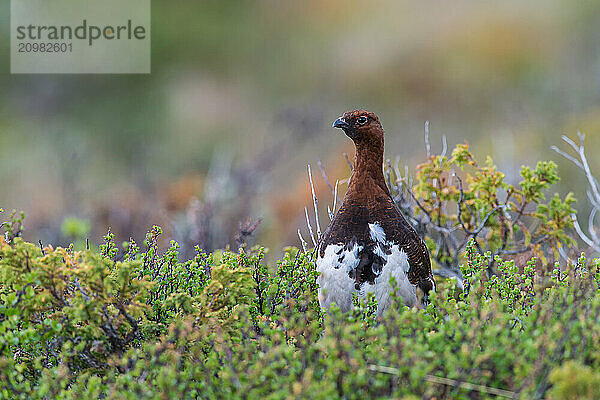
<point x="365" y="130"/>
<point x="361" y="126"/>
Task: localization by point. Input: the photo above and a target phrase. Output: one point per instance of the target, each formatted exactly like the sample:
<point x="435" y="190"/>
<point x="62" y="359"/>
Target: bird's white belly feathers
<point x="336" y="285"/>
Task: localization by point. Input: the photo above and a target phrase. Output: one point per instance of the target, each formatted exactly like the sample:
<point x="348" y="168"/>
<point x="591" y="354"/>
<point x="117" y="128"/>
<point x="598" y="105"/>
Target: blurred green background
<point x="242" y="95"/>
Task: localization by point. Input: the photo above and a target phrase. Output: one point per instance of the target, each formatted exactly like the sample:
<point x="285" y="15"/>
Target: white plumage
<point x="336" y="286"/>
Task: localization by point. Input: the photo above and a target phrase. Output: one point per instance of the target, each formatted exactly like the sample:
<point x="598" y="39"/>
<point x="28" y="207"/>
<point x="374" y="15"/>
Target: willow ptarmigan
<point x="369" y="241"/>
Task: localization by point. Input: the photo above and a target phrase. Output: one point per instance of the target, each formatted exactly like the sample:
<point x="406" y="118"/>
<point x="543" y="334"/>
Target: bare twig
<point x="444" y="146"/>
<point x="449" y="382"/>
<point x="567" y="156"/>
<point x="80" y="289"/>
<point x="329" y="213"/>
<point x="591" y="199"/>
<point x="388" y="173"/>
<point x="349" y="162"/>
<point x="461" y="201"/>
<point x="335" y="195"/>
<point x="315" y="203"/>
<point x="399" y="178"/>
<point x="427" y="145"/>
<point x="582" y="235"/>
<point x="591" y="227"/>
<point x="588" y="173"/>
<point x="522" y="250"/>
<point x="593" y="192"/>
<point x="304" y="244"/>
<point x="310" y="229"/>
<point x="326" y="179"/>
<point x="430" y="220"/>
<point x="449" y="273"/>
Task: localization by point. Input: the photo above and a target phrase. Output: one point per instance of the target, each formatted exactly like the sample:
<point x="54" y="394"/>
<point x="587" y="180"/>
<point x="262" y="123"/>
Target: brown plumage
<point x="369" y="222"/>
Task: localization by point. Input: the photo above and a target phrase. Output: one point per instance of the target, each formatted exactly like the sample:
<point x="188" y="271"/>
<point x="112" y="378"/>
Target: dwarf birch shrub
<point x="79" y="324"/>
<point x="455" y="198"/>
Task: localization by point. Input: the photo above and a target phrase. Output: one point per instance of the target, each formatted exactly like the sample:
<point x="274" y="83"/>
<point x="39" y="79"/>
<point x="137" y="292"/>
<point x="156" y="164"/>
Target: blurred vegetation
<point x="258" y="83"/>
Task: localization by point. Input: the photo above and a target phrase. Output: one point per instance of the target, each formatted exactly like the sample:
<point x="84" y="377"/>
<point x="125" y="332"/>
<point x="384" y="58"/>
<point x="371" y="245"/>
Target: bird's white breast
<point x="336" y="286"/>
<point x="396" y="267"/>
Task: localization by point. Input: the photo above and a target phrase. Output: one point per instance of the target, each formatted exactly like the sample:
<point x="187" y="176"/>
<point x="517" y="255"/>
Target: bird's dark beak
<point x="341" y="123"/>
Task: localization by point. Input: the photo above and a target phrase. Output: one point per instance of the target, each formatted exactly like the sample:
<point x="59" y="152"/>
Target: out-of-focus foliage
<point x="77" y="230"/>
<point x="224" y="325"/>
<point x="575" y="381"/>
<point x="256" y="84"/>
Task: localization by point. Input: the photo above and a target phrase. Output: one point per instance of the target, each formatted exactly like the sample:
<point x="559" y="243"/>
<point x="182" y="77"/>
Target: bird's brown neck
<point x="368" y="170"/>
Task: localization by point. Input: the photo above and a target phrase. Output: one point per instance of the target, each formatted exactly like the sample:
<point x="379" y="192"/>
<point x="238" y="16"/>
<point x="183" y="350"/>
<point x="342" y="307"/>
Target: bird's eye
<point x="361" y="120"/>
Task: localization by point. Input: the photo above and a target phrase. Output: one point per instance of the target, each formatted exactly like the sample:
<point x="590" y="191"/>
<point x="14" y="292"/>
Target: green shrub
<point x="224" y="325"/>
<point x="575" y="381"/>
<point x="454" y="199"/>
